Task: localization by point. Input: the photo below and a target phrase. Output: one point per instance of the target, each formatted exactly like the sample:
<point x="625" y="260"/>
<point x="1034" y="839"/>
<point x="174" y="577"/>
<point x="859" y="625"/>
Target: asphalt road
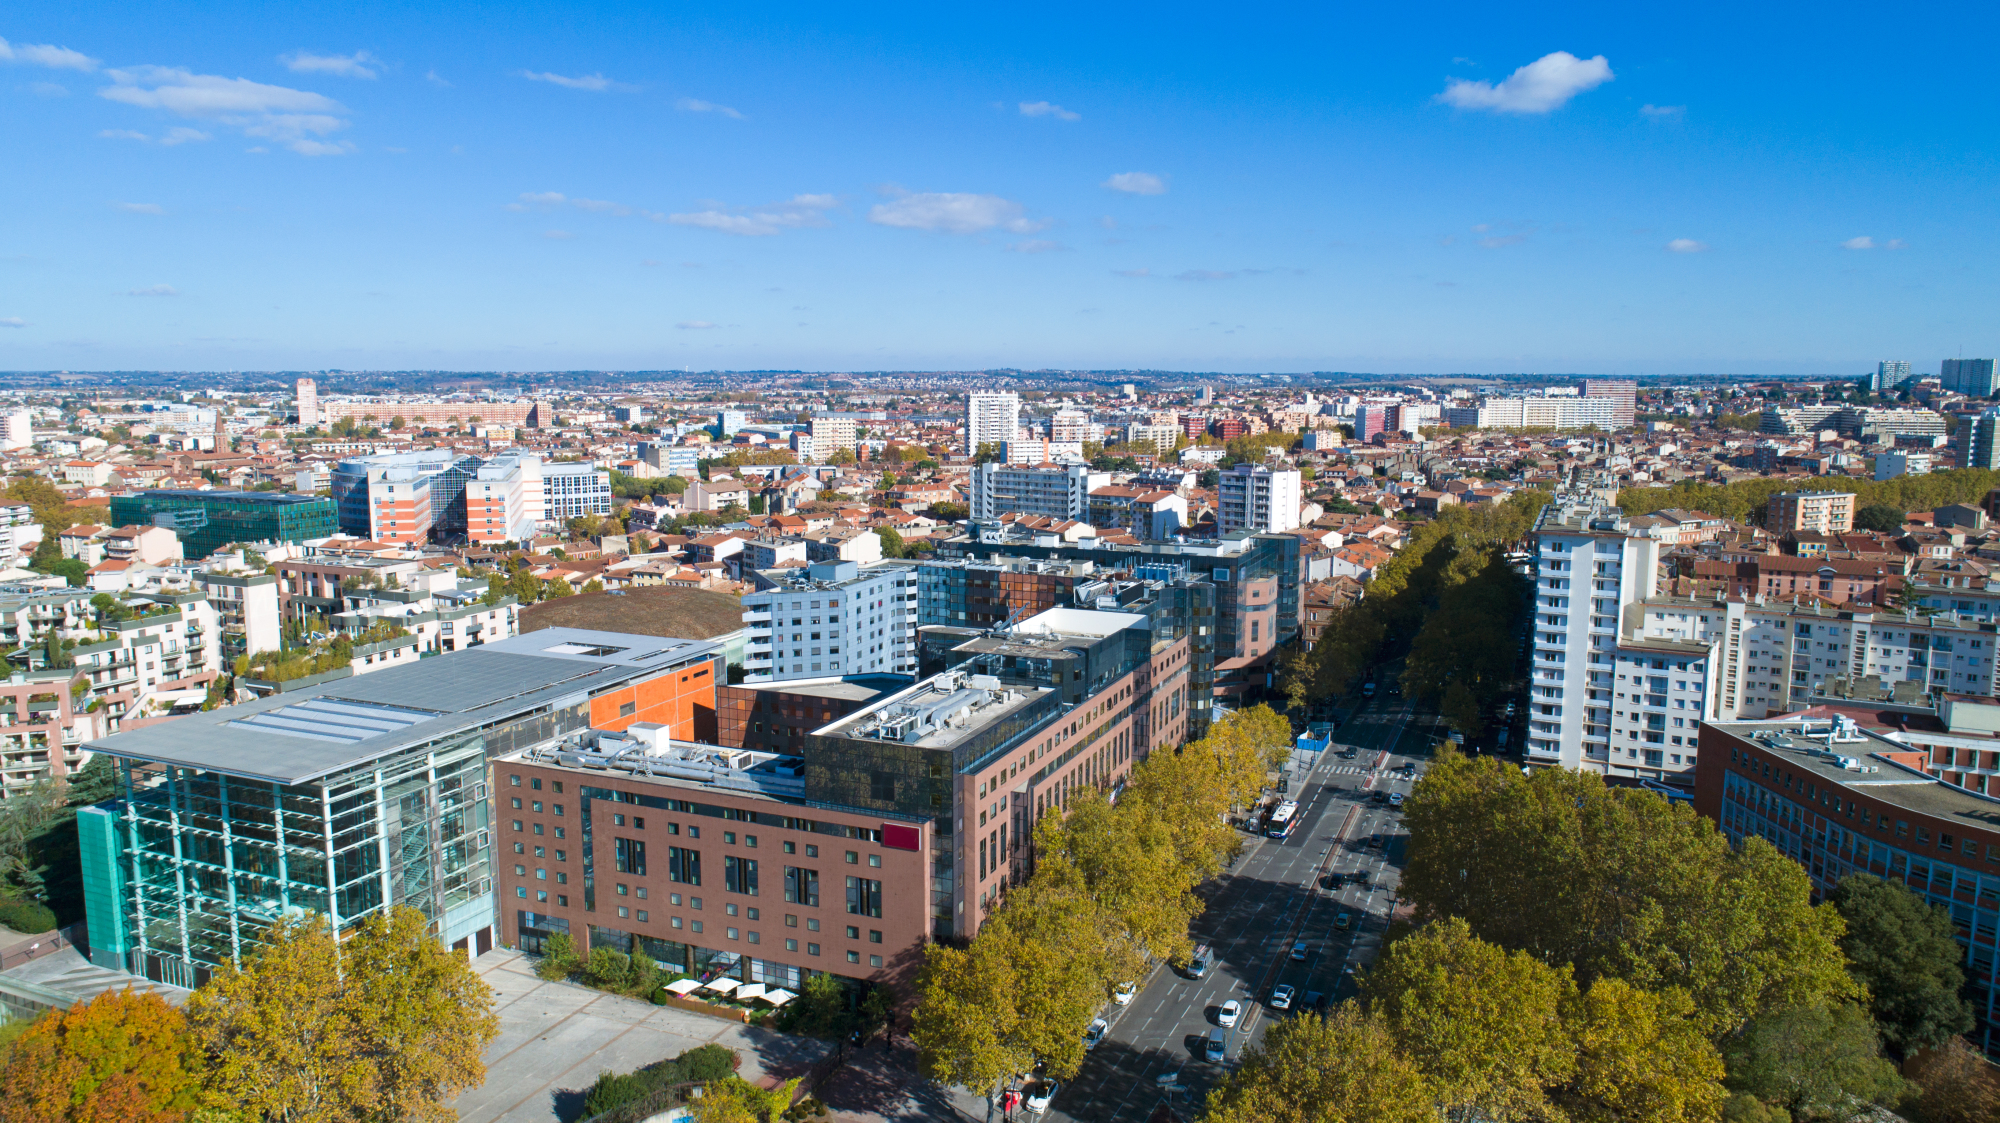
<point x="1271" y="897"/>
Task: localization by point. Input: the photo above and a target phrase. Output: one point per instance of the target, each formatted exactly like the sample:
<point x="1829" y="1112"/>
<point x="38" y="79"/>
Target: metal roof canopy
<point x="343" y="724"/>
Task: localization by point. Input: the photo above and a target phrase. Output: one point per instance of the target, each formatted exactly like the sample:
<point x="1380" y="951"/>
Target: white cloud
<point x="179" y="134"/>
<point x="296" y="119"/>
<point x="1136" y="183"/>
<point x="595" y="83"/>
<point x="1539" y="87"/>
<point x="140" y="208"/>
<point x="1663" y="112"/>
<point x="694" y="325"/>
<point x="696" y="105"/>
<point x="123" y="134"/>
<point x="1133" y="272"/>
<point x="154" y="290"/>
<point x="43" y="54"/>
<point x="1686" y="245"/>
<point x="1048" y="109"/>
<point x="1038" y="245"/>
<point x="802" y="210"/>
<point x="356" y="65"/>
<point x="1501" y="241"/>
<point x="432" y="77"/>
<point x="953" y="212"/>
<point x="48" y="89"/>
<point x="12" y="322"/>
<point x="1204" y="275"/>
<point x="601" y="206"/>
<point x="1895" y="244"/>
<point x="1864" y="242"/>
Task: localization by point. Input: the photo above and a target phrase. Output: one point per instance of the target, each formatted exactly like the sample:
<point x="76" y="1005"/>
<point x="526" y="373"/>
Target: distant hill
<point x="680" y="613"/>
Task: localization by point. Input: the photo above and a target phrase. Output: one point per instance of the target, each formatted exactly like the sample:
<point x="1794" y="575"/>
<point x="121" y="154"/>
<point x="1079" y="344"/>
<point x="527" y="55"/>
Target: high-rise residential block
<point x="1058" y="491"/>
<point x="1623" y="395"/>
<point x="1370" y="420"/>
<point x="831" y="618"/>
<point x="1890" y="375"/>
<point x="830" y="433"/>
<point x="307" y="394"/>
<point x="17" y="430"/>
<point x="992" y="417"/>
<point x="1589" y="563"/>
<point x="1972" y="377"/>
<point x="1252" y="497"/>
<point x="1982" y="440"/>
<point x="1818" y="512"/>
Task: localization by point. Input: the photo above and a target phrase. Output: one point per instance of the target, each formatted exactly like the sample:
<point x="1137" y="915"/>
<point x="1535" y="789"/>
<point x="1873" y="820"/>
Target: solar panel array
<point x="328" y="719"/>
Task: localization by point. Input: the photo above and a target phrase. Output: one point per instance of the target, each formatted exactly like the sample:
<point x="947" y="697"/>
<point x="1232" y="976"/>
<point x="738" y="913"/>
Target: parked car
<point x="1343" y="922"/>
<point x="1281" y="996"/>
<point x="1214" y="1049"/>
<point x="1298" y="950"/>
<point x="1123" y="993"/>
<point x="1098" y="1028"/>
<point x="1040" y="1093"/>
<point x="1226" y="1016"/>
<point x="1329" y="881"/>
<point x="1395" y="799"/>
<point x="1313" y="1000"/>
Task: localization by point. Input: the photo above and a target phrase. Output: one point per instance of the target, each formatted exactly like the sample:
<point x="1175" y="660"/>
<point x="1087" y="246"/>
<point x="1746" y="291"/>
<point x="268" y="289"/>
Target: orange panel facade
<point x="683" y="701"/>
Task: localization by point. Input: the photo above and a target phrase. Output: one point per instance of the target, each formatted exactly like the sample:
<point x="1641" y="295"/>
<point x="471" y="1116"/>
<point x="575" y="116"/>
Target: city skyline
<point x="358" y="189"/>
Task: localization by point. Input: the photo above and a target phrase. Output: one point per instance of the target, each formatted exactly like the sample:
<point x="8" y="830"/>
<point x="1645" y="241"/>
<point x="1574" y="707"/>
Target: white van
<point x="1216" y="1037"/>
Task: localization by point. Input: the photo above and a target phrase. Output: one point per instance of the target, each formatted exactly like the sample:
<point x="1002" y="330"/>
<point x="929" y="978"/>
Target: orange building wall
<point x="683" y="701"/>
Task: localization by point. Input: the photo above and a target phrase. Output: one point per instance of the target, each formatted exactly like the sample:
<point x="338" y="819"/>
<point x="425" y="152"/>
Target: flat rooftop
<point x="308" y="734"/>
<point x="1860" y="764"/>
<point x="859" y="688"/>
<point x="936" y="713"/>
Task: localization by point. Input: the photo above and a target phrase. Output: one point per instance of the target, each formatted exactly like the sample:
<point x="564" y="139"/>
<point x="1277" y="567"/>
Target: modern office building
<point x="573" y="488"/>
<point x="1256" y="498"/>
<point x="1818" y="512"/>
<point x="445" y="496"/>
<point x="208" y="520"/>
<point x="728" y="421"/>
<point x="1972" y="377"/>
<point x="1891" y="465"/>
<point x="671" y="460"/>
<point x="1060" y="492"/>
<point x="831" y="618"/>
<point x="1589" y="563"/>
<point x="1623" y="393"/>
<point x="975" y="593"/>
<point x="992" y="417"/>
<point x="1840" y="798"/>
<point x="354" y="795"/>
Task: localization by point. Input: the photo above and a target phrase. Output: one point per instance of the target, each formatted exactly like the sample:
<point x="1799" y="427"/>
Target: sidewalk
<point x="881" y="1085"/>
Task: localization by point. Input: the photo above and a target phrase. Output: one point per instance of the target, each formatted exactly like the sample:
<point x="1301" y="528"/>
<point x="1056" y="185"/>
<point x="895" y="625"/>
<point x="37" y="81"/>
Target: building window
<point x="864" y="896"/>
<point x="684" y="865"/>
<point x="630" y="856"/>
<point x="802" y="886"/>
<point x="739" y="875"/>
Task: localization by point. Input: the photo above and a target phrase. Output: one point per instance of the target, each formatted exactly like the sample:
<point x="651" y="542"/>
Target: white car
<point x="1123" y="994"/>
<point x="1226" y="1017"/>
<point x="1040" y="1094"/>
<point x="1281" y="997"/>
<point x="1093" y="1035"/>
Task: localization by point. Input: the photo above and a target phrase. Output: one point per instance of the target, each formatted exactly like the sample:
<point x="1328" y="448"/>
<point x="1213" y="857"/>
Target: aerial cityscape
<point x="1170" y="624"/>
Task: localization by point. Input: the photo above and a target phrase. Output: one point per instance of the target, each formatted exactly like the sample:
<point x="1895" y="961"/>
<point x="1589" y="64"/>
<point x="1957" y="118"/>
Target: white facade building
<point x="17" y="430"/>
<point x="991" y="417"/>
<point x="574" y="488"/>
<point x="1535" y="413"/>
<point x="832" y="619"/>
<point x="1058" y="492"/>
<point x="1589" y="563"/>
<point x="1252" y="497"/>
<point x="308" y="397"/>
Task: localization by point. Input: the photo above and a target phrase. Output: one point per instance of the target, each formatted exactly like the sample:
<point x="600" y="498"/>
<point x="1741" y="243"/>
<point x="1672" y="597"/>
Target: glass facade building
<point x="206" y="521"/>
<point x="347" y="798"/>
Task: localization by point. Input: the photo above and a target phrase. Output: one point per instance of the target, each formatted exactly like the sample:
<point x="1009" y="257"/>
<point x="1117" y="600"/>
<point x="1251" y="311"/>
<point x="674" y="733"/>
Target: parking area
<point x="555" y="1038"/>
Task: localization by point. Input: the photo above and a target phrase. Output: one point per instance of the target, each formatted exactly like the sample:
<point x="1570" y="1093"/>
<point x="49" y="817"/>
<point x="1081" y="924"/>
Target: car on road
<point x="1226" y="1016"/>
<point x="1298" y="949"/>
<point x="1281" y="996"/>
<point x="1329" y="881"/>
<point x="1360" y="877"/>
<point x="1368" y="690"/>
<point x="1313" y="1000"/>
<point x="1040" y="1093"/>
<point x="1098" y="1028"/>
<point x="1395" y="799"/>
<point x="1123" y="993"/>
<point x="1213" y="1047"/>
<point x="1343" y="922"/>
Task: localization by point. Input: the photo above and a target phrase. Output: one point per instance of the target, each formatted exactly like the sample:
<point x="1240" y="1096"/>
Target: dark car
<point x="1329" y="881"/>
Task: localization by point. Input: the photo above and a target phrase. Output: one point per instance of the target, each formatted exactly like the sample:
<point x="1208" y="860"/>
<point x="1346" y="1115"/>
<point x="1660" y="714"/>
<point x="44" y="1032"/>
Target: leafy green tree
<point x="1906" y="953"/>
<point x="1484" y="1024"/>
<point x="1641" y="1058"/>
<point x="1819" y="1061"/>
<point x="1343" y="1068"/>
<point x="607" y="967"/>
<point x="527" y="587"/>
<point x="288" y="1035"/>
<point x="122" y="1055"/>
<point x="892" y="542"/>
<point x="559" y="958"/>
<point x="1957" y="1085"/>
<point x="1619" y="882"/>
<point x="1879" y="517"/>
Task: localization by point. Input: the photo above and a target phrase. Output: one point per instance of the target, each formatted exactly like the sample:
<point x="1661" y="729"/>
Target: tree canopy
<point x="1906" y="953"/>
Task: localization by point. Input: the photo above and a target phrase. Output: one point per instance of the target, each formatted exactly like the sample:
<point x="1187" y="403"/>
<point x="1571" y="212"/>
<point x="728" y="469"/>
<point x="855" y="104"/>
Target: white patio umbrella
<point x="721" y="986"/>
<point x="750" y="990"/>
<point x="777" y="997"/>
<point x="683" y="986"/>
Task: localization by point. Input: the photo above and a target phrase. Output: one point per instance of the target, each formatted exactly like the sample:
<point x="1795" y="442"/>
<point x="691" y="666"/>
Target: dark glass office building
<point x="209" y="520"/>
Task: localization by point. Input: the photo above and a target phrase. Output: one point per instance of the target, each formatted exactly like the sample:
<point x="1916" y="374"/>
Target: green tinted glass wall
<point x="209" y="520"/>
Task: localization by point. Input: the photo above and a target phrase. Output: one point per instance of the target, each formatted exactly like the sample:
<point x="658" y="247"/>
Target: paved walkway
<point x="556" y="1037"/>
<point x="881" y="1085"/>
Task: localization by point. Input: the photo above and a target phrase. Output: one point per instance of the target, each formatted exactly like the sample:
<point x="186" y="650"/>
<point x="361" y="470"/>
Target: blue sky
<point x="1435" y="188"/>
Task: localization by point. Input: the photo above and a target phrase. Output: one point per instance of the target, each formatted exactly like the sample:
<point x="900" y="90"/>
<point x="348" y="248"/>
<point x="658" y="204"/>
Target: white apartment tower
<point x="1589" y="564"/>
<point x="830" y="433"/>
<point x="308" y="396"/>
<point x="991" y="417"/>
<point x="832" y="619"/>
<point x="17" y="430"/>
<point x="1252" y="497"/>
